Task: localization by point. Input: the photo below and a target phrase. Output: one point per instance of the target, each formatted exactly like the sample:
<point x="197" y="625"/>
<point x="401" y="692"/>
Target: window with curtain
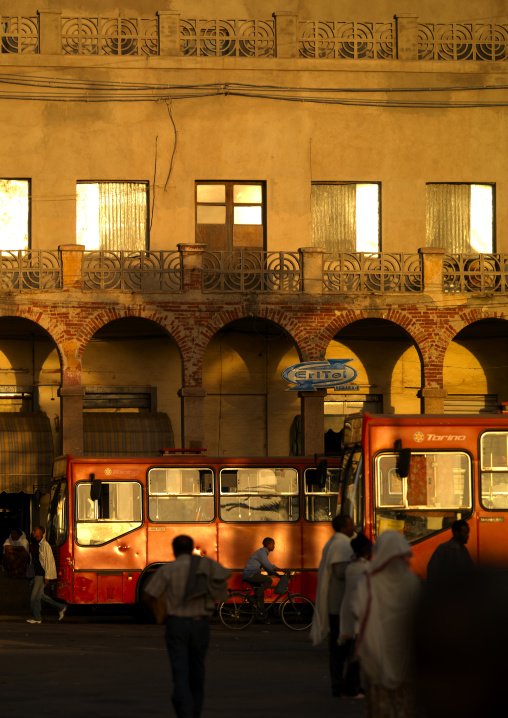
<point x="14" y="214"/>
<point x="460" y="217"/>
<point x="345" y="216"/>
<point x="112" y="215"/>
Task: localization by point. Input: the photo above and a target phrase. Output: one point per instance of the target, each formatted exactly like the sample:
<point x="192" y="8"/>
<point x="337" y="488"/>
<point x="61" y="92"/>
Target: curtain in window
<point x="122" y="216"/>
<point x="333" y="211"/>
<point x="449" y="217"/>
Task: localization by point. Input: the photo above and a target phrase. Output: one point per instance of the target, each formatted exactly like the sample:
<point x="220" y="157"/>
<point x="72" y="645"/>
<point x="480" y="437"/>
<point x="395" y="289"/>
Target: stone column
<point x="50" y="32"/>
<point x="72" y="257"/>
<point x="193" y="417"/>
<point x="433" y="400"/>
<point x="312" y="263"/>
<point x="169" y="33"/>
<point x="192" y="266"/>
<point x="432" y="269"/>
<point x="71" y="410"/>
<point x="286" y="34"/>
<point x="313" y="421"/>
<point x="407" y="36"/>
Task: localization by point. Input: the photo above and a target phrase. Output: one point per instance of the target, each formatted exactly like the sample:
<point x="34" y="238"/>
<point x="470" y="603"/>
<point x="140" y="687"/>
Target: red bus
<point x="418" y="474"/>
<point x="111" y="521"/>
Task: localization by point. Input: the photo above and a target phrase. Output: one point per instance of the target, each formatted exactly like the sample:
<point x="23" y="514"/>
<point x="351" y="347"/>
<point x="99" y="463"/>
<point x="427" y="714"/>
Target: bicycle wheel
<point x="236" y="611"/>
<point x="297" y="612"/>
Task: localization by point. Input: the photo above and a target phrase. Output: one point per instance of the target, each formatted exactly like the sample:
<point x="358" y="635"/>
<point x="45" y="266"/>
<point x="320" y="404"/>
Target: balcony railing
<point x="23" y="270"/>
<point x="313" y="271"/>
<point x="377" y="273"/>
<point x="285" y="35"/>
<point x="246" y="271"/>
<point x="483" y="273"/>
<point x="132" y="271"/>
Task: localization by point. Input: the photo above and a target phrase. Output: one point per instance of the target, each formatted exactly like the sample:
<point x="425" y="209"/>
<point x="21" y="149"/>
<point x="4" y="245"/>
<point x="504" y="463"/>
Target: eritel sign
<point x="312" y="375"/>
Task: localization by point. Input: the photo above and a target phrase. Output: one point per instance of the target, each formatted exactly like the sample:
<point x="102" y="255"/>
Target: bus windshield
<point x="435" y="493"/>
<point x="117" y="511"/>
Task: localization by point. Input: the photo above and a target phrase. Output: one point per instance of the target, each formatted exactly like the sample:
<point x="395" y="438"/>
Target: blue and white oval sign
<point x="313" y="375"/>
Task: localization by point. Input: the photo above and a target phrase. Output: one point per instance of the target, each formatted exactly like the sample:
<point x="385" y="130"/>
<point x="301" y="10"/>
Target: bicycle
<point x="239" y="609"/>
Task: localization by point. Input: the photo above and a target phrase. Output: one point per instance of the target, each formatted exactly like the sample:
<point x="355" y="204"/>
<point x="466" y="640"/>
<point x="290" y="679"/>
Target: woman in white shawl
<point x="385" y="601"/>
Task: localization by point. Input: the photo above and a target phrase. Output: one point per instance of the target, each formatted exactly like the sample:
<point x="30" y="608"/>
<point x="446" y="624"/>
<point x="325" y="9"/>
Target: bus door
<point x="493" y="511"/>
<point x="181" y="500"/>
<point x="352" y="495"/>
<point x="110" y="537"/>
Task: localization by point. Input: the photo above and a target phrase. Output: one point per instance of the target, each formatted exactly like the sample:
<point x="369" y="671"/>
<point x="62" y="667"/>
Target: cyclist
<point x="252" y="571"/>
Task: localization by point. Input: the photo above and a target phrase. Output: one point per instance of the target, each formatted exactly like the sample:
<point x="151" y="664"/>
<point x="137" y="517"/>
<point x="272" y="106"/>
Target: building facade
<point x="196" y="197"/>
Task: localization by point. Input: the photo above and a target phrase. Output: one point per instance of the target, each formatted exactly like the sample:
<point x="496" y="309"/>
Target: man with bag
<point x="191" y="585"/>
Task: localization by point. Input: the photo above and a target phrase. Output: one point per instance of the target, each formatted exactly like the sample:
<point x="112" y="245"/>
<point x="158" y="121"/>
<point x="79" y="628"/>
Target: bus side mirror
<point x="404" y="463"/>
<point x="322" y="473"/>
<point x="95" y="488"/>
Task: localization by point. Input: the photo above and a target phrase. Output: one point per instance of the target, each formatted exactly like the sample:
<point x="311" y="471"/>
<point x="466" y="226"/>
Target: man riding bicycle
<point x="252" y="571"/>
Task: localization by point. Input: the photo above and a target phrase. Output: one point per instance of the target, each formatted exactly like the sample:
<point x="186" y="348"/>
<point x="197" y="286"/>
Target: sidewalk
<point x="14" y="598"/>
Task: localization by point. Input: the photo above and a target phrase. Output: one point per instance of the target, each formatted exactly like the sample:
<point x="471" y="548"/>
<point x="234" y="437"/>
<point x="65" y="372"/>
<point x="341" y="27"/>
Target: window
<point x="436" y="492"/>
<point x="460" y="217"/>
<point x="117" y="511"/>
<point x="176" y="495"/>
<point x="262" y="494"/>
<point x="112" y="215"/>
<point x="494" y="470"/>
<point x="345" y="217"/>
<point x="230" y="215"/>
<point x="14" y="214"/>
<point x="57" y="516"/>
<point x="321" y="501"/>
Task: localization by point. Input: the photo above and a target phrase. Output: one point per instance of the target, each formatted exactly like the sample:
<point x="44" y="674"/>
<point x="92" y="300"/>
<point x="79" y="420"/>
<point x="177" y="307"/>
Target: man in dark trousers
<point x="450" y="557"/>
<point x="252" y="571"/>
<point x="188" y="611"/>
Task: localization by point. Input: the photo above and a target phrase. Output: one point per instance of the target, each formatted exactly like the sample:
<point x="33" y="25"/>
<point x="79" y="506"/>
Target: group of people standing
<point x="367" y="599"/>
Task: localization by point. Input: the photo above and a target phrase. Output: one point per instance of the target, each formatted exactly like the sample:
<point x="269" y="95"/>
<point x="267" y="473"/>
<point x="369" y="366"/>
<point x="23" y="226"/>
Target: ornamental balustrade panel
<point x="346" y="40"/>
<point x="19" y="34"/>
<point x="155" y="271"/>
<point x="372" y="273"/>
<point x="484" y="273"/>
<point x="110" y="36"/>
<point x="462" y="41"/>
<point x="25" y="270"/>
<point x="227" y="38"/>
<point x="252" y="271"/>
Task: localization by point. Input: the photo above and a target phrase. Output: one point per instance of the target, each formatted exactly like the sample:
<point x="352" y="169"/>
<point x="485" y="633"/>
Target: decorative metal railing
<point x="110" y="36"/>
<point x="459" y="41"/>
<point x="251" y="271"/>
<point x="347" y="40"/>
<point x="19" y="34"/>
<point x="475" y="273"/>
<point x="224" y="38"/>
<point x="32" y="269"/>
<point x="132" y="271"/>
<point x="364" y="273"/>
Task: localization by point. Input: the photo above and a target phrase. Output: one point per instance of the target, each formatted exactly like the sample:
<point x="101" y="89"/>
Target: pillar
<point x="432" y="269"/>
<point x="71" y="410"/>
<point x="50" y="32"/>
<point x="193" y="417"/>
<point x="192" y="266"/>
<point x="169" y="33"/>
<point x="433" y="400"/>
<point x="312" y="269"/>
<point x="313" y="421"/>
<point x="286" y="34"/>
<point x="407" y="36"/>
<point x="71" y="257"/>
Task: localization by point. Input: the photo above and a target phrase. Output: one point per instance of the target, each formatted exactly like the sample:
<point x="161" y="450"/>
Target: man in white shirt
<point x="45" y="571"/>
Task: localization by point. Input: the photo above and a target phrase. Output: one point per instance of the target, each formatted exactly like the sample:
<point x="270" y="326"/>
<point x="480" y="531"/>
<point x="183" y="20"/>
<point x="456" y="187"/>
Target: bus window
<point x="179" y="494"/>
<point x="57" y="528"/>
<point x="351" y="501"/>
<point x="259" y="494"/>
<point x="115" y="513"/>
<point x="494" y="470"/>
<point x="435" y="493"/>
<point x="321" y="501"/>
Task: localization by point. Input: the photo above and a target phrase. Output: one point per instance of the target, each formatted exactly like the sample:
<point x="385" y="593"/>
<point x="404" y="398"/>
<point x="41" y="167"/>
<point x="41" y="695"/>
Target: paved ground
<point x="108" y="666"/>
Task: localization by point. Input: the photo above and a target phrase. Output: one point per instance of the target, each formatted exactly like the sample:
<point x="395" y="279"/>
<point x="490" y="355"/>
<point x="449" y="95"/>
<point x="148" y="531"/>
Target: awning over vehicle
<point x="126" y="434"/>
<point x="26" y="451"/>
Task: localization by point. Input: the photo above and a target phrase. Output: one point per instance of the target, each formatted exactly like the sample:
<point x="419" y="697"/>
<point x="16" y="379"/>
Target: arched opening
<point x="475" y="368"/>
<point x="132" y="369"/>
<point x="247" y="410"/>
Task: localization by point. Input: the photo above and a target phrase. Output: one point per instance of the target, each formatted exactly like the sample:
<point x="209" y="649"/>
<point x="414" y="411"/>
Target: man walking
<point x="337" y="553"/>
<point x="45" y="571"/>
<point x="188" y="608"/>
